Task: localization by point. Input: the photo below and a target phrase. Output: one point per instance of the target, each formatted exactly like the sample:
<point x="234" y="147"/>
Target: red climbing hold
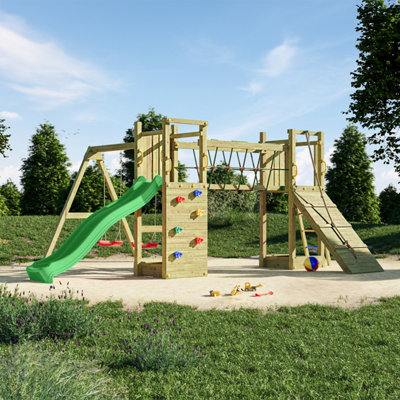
<point x="180" y="199"/>
<point x="198" y="240"/>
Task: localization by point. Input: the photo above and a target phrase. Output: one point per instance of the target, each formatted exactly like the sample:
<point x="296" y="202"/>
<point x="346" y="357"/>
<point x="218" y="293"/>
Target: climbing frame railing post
<point x="291" y="207"/>
<point x="263" y="204"/>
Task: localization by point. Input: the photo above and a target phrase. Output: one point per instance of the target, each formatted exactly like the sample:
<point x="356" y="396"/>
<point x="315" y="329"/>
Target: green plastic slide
<point x="91" y="229"/>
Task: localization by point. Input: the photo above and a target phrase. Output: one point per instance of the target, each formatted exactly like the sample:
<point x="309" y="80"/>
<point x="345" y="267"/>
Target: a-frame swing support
<point x="92" y="153"/>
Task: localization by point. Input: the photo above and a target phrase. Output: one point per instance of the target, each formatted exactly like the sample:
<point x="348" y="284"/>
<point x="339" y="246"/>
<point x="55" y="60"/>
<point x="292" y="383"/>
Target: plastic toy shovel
<point x="262" y="294"/>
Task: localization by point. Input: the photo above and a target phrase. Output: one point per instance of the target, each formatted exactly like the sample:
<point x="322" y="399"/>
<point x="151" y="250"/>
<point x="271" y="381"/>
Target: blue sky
<point x="89" y="67"/>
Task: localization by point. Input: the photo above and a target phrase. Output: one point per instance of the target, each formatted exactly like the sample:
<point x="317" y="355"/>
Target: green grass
<point x="25" y="238"/>
<point x="308" y="352"/>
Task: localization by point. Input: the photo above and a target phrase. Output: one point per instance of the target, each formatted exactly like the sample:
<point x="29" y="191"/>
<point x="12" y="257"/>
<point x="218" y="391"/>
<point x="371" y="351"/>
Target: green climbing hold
<point x="178" y="229"/>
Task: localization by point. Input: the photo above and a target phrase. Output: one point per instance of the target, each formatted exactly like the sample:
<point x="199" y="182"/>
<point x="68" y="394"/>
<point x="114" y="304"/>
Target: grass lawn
<point x="64" y="349"/>
<point x="27" y="237"/>
<point x="308" y="352"/>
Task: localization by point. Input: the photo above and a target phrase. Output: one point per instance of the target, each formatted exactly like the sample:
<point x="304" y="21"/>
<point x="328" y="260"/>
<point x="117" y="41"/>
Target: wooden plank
<point x="303" y="132"/>
<point x="185" y="121"/>
<point x="151" y="228"/>
<point x="187" y="145"/>
<point x="303" y="144"/>
<point x="78" y="215"/>
<point x="243" y="146"/>
<point x="302" y="233"/>
<point x="111" y="147"/>
<point x="185" y="135"/>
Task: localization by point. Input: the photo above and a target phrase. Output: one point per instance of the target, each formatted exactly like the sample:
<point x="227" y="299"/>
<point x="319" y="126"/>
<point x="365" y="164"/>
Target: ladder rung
<point x="336" y="226"/>
<point x="308" y="230"/>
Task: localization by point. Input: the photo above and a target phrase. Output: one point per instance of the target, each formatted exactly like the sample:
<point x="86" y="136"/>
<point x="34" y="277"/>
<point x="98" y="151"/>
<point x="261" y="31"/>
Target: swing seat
<point x="149" y="245"/>
<point x="108" y="243"/>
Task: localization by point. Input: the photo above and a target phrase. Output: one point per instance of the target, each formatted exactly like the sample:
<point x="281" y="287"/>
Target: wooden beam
<point x="185" y="135"/>
<point x="151" y="228"/>
<point x="151" y="133"/>
<point x="78" y="215"/>
<point x="243" y="146"/>
<point x="68" y="203"/>
<point x="111" y="147"/>
<point x="185" y="121"/>
<point x="174" y="154"/>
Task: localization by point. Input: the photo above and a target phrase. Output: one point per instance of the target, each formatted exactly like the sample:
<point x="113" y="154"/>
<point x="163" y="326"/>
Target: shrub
<point x="27" y="373"/>
<point x="156" y="347"/>
<point x="29" y="318"/>
<point x="390" y="205"/>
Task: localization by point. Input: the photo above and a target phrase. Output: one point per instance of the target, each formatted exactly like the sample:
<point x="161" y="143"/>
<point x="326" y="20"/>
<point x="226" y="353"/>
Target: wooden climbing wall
<point x="354" y="260"/>
<point x="193" y="261"/>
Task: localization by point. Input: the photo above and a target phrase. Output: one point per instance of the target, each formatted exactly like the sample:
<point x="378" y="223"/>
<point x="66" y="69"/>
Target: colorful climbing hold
<point x="177" y="254"/>
<point x="198" y="240"/>
<point x="199" y="212"/>
<point x="197" y="193"/>
<point x="180" y="199"/>
<point x="178" y="229"/>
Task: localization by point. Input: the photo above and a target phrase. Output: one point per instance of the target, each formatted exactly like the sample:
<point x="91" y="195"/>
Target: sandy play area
<point x="112" y="279"/>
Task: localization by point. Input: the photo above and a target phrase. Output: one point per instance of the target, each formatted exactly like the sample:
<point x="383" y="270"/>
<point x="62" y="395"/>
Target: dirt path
<point x="112" y="279"/>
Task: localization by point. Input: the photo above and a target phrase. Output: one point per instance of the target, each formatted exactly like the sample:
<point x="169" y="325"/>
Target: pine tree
<point x="44" y="173"/>
<point x="12" y="197"/>
<point x="350" y="179"/>
<point x="390" y="205"/>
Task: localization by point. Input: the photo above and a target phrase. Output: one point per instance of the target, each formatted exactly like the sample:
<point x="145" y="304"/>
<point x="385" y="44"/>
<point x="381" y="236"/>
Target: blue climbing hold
<point x="177" y="254"/>
<point x="197" y="193"/>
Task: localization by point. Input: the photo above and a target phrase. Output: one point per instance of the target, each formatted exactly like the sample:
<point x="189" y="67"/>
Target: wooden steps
<point x="353" y="259"/>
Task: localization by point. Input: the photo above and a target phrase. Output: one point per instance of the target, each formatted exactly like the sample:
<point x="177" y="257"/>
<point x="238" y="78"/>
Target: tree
<point x="44" y="173"/>
<point x="150" y="122"/>
<point x="350" y="180"/>
<point x="4" y="138"/>
<point x="92" y="194"/>
<point x="3" y="207"/>
<point x="376" y="100"/>
<point x="12" y="197"/>
<point x="390" y="205"/>
<point x="182" y="172"/>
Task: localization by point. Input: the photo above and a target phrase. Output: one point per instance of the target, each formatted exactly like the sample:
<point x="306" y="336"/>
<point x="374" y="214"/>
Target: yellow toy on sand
<point x="249" y="288"/>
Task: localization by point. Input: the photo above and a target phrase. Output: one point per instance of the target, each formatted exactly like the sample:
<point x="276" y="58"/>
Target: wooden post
<point x="68" y="204"/>
<point x="174" y="155"/>
<point x="138" y="235"/>
<point x="139" y="151"/>
<point x="291" y="207"/>
<point x="263" y="205"/>
<point x="113" y="195"/>
<point x="203" y="157"/>
<point x="318" y="157"/>
<point x="166" y="169"/>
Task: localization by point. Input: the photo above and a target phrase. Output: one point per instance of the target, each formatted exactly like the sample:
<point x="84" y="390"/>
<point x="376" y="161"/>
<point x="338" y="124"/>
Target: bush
<point x="390" y="205"/>
<point x="27" y="373"/>
<point x="3" y="206"/>
<point x="225" y="201"/>
<point x="156" y="347"/>
<point x="29" y="318"/>
<point x="12" y="197"/>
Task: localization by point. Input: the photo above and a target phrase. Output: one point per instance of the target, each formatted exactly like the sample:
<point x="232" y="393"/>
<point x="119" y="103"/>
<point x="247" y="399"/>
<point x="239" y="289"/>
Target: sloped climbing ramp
<point x="339" y="237"/>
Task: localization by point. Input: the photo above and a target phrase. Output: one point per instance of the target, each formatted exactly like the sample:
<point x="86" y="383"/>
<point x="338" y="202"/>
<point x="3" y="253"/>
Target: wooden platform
<point x="354" y="260"/>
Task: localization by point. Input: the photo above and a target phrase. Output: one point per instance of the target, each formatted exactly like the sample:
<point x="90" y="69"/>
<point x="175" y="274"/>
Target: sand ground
<point x="112" y="279"/>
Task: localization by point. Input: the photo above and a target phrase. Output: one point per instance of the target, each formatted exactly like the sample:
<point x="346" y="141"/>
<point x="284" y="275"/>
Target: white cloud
<point x="9" y="172"/>
<point x="253" y="87"/>
<point x="9" y="115"/>
<point x="43" y="71"/>
<point x="278" y="60"/>
<point x="384" y="176"/>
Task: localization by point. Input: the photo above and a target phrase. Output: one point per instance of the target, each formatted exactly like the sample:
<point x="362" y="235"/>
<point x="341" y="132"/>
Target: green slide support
<point x="91" y="229"/>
